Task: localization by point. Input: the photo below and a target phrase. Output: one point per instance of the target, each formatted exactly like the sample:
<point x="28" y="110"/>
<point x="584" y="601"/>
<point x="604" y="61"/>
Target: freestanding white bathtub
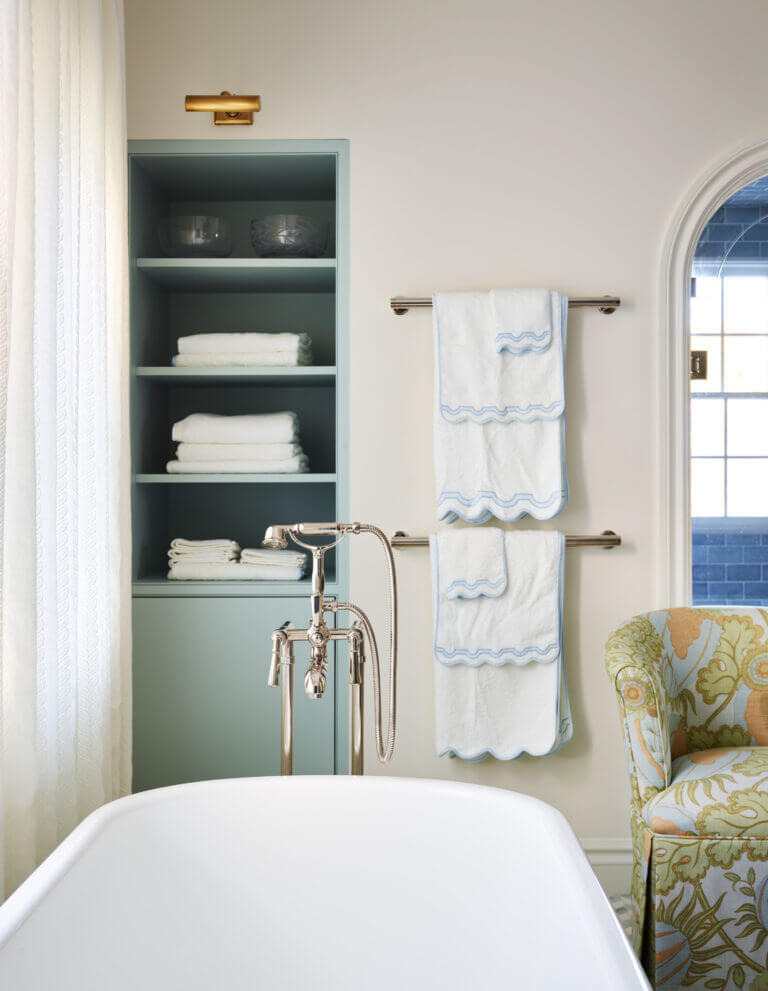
<point x="316" y="883"/>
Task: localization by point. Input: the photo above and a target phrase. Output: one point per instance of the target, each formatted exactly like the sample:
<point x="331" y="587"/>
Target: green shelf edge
<point x="163" y="587"/>
<point x="301" y="375"/>
<point x="233" y="478"/>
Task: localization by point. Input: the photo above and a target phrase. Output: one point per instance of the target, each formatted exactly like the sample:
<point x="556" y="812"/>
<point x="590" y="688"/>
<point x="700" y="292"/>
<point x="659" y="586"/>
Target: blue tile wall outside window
<point x="729" y="567"/>
<point x="730" y="555"/>
<point x="726" y="225"/>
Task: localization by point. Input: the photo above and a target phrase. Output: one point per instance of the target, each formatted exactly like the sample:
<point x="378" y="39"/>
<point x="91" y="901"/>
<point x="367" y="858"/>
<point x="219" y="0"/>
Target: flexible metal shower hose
<point x="383" y="751"/>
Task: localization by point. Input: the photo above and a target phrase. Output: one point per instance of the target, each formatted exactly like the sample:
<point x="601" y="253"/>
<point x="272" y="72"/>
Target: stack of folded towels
<point x="209" y="350"/>
<point x="255" y="442"/>
<point x="222" y="560"/>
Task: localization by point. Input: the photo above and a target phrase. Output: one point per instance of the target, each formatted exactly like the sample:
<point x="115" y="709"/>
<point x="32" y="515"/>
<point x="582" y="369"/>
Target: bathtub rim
<point x="21" y="904"/>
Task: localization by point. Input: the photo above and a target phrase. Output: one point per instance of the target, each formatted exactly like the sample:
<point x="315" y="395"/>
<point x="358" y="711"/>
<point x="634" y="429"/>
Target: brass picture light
<point x="227" y="108"/>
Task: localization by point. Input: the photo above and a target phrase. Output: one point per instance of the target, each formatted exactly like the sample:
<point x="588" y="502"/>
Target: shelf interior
<point x="241" y="274"/>
<point x="173" y="297"/>
<point x="230" y="511"/>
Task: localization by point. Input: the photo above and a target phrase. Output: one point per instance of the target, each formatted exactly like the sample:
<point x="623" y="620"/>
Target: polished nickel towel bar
<point x="606" y="304"/>
<point x="607" y="539"/>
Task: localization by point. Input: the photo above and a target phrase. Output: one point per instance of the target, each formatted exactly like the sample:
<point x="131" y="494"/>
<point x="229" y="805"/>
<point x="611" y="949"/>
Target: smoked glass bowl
<point x="185" y="236"/>
<point x="289" y="235"/>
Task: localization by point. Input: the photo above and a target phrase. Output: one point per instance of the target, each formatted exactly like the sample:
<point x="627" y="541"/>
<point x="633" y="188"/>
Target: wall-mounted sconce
<point x="227" y="108"/>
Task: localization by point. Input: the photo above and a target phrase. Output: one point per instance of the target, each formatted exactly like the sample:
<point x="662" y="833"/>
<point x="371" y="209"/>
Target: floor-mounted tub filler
<point x="316" y="883"/>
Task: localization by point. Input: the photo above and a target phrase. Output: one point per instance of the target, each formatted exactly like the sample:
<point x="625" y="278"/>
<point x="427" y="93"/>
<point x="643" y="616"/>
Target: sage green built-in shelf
<point x="305" y="375"/>
<point x="317" y="275"/>
<point x="201" y="648"/>
<point x="232" y="478"/>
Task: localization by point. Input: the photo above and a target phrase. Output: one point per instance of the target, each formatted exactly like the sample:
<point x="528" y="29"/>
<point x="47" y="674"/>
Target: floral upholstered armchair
<point x="692" y="687"/>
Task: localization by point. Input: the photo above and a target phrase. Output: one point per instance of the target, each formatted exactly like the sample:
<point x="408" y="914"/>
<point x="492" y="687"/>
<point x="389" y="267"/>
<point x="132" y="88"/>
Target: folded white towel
<point x="203" y="551"/>
<point x="499" y="469"/>
<point x="218" y="543"/>
<point x="297" y="464"/>
<point x="272" y="557"/>
<point x="232" y="571"/>
<point x="500" y="685"/>
<point x="250" y="359"/>
<point x="477" y="381"/>
<point x="251" y="428"/>
<point x="174" y="557"/>
<point x="522" y="319"/>
<point x="237" y="452"/>
<point x="243" y="341"/>
<point x="499" y="420"/>
<point x="518" y="619"/>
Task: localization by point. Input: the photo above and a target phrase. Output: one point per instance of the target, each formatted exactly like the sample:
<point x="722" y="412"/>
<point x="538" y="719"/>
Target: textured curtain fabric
<point x="64" y="526"/>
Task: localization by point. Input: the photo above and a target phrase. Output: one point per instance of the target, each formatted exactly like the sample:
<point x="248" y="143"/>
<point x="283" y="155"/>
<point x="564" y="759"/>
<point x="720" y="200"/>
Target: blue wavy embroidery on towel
<point x="486" y="493"/>
<point x="522" y="414"/>
<point x="503" y="656"/>
<point x="522" y="343"/>
<point x="545" y="335"/>
<point x="474" y="590"/>
<point x="520" y="349"/>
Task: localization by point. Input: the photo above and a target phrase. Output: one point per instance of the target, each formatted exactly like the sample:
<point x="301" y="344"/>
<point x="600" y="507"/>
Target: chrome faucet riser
<point x="318" y="635"/>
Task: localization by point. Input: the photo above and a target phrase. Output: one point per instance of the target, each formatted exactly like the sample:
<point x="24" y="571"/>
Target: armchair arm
<point x="632" y="657"/>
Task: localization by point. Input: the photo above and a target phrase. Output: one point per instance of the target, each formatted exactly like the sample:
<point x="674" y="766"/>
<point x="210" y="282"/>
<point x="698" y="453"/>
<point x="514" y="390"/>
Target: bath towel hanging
<point x="499" y="415"/>
<point x="500" y="687"/>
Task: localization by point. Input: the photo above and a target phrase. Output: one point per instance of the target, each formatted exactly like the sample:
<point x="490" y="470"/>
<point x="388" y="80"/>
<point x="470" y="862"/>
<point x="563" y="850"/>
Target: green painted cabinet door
<point x="201" y="705"/>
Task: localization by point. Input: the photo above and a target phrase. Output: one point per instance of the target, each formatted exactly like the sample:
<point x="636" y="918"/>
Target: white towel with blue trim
<point x="499" y="419"/>
<point x="479" y="375"/>
<point x="522" y="319"/>
<point x="500" y="687"/>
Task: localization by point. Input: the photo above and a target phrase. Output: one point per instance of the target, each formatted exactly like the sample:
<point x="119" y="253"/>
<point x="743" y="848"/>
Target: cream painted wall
<point x="492" y="143"/>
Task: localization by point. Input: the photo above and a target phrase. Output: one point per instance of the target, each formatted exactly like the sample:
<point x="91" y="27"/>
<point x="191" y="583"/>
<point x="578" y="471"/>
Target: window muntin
<point x="729" y="409"/>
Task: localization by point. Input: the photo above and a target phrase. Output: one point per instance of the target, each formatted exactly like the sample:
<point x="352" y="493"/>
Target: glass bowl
<point x="289" y="235"/>
<point x="195" y="235"/>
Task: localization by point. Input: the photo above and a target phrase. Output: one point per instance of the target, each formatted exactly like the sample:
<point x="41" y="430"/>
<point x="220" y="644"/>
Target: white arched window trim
<point x="673" y="405"/>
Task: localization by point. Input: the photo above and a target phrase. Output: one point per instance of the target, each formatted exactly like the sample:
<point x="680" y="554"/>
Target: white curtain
<point x="64" y="523"/>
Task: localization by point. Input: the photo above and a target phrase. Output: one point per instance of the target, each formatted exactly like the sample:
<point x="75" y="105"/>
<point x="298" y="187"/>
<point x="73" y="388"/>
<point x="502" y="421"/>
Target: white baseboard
<point x="611" y="860"/>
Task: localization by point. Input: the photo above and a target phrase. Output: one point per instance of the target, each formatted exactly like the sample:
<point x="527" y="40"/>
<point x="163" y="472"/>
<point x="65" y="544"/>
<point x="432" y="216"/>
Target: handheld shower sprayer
<point x="318" y="635"/>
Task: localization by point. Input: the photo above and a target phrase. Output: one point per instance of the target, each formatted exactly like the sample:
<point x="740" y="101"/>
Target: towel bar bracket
<point x="608" y="539"/>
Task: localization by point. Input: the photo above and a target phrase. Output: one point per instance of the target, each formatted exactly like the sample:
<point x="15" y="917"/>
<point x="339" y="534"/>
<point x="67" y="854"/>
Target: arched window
<point x="728" y="325"/>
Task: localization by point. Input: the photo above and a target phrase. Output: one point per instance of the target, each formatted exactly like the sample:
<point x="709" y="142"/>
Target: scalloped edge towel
<point x="519" y="624"/>
<point x="522" y="319"/>
<point x="472" y="563"/>
<point x="498" y="452"/>
<point x="518" y="702"/>
<point x="506" y="470"/>
<point x="479" y="376"/>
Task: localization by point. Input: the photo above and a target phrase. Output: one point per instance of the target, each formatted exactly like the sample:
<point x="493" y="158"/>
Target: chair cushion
<point x="721" y="792"/>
